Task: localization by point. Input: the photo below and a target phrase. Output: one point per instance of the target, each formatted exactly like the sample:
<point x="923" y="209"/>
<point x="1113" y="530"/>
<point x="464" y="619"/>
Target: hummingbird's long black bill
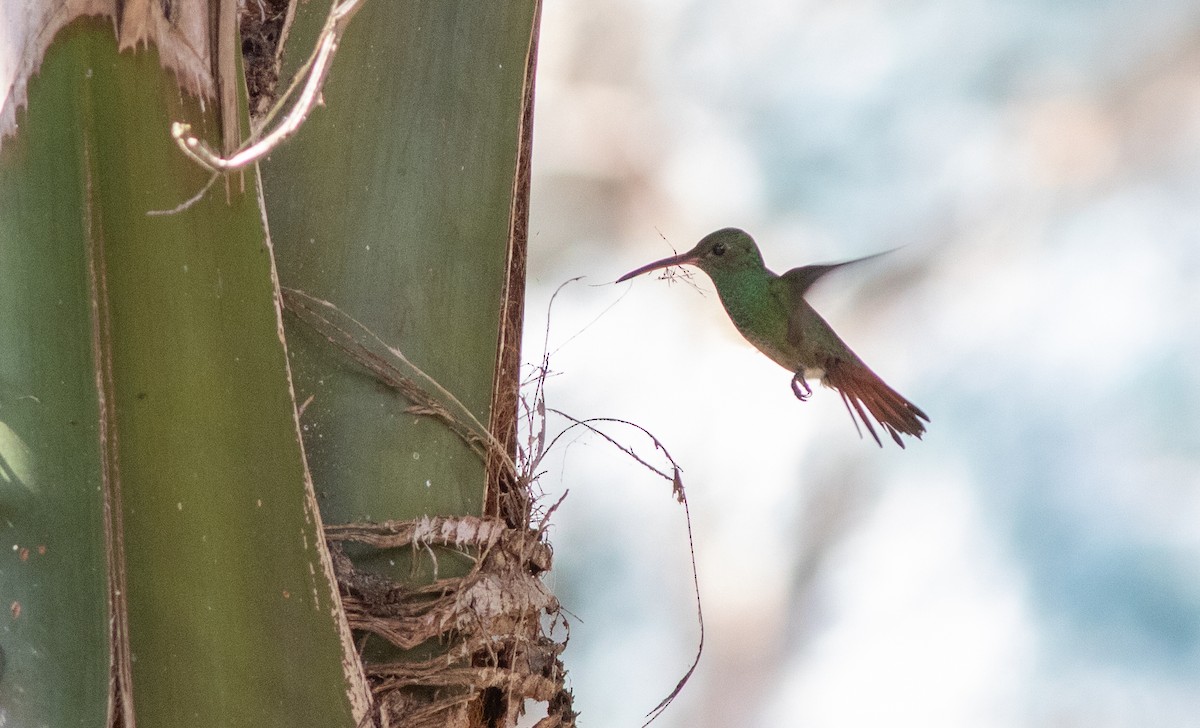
<point x="681" y="259"/>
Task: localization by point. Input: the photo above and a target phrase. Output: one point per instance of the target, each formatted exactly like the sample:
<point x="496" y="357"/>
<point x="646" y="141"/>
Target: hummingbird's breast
<point x="761" y="312"/>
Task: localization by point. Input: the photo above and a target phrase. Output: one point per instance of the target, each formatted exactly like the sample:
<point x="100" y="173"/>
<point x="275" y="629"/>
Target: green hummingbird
<point x="770" y="311"/>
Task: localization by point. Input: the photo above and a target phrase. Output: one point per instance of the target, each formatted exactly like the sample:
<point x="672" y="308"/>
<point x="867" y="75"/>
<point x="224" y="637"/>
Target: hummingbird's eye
<point x="718" y="249"/>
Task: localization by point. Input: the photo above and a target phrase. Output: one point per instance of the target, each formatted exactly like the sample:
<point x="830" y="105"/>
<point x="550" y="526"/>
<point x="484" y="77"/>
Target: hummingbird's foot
<point x="800" y="387"/>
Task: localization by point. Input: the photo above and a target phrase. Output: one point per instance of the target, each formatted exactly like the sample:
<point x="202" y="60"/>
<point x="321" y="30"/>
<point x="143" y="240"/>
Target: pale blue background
<point x="1034" y="561"/>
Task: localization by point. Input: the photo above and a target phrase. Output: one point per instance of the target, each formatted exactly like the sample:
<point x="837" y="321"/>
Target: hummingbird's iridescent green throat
<point x="770" y="311"/>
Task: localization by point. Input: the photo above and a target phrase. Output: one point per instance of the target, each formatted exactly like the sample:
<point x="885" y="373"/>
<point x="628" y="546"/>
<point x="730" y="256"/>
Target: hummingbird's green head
<point x="728" y="249"/>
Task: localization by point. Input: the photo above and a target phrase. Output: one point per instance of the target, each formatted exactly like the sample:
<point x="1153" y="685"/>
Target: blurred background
<point x="1033" y="561"/>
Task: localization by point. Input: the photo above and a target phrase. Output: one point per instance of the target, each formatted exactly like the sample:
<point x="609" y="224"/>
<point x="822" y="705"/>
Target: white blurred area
<point x="1032" y="562"/>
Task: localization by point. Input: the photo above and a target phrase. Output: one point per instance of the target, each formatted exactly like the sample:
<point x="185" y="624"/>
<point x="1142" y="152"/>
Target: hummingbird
<point x="770" y="312"/>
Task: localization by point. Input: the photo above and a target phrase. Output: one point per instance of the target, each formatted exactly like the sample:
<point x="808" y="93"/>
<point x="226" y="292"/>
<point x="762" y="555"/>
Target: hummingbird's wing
<point x="801" y="279"/>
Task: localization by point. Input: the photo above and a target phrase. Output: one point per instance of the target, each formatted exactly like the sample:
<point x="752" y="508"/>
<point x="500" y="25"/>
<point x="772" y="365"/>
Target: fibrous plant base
<point x="489" y="621"/>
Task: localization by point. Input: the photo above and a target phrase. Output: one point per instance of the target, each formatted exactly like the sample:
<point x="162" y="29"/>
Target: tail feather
<point x="862" y="388"/>
<point x="846" y="401"/>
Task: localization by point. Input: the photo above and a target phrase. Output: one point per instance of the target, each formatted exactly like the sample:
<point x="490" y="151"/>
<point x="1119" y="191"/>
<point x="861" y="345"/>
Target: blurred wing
<point x="801" y="279"/>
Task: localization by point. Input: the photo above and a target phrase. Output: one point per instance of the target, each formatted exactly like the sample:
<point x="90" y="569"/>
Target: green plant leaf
<point x="396" y="203"/>
<point x="151" y="474"/>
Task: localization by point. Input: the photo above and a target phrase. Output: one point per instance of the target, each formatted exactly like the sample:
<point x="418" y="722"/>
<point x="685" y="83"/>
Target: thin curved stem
<point x="257" y="147"/>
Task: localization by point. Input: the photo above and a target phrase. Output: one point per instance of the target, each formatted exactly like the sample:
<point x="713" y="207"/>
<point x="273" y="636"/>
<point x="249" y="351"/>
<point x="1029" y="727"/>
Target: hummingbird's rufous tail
<point x="860" y="387"/>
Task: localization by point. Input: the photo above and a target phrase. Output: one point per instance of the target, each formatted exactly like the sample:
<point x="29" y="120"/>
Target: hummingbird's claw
<point x="800" y="387"/>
